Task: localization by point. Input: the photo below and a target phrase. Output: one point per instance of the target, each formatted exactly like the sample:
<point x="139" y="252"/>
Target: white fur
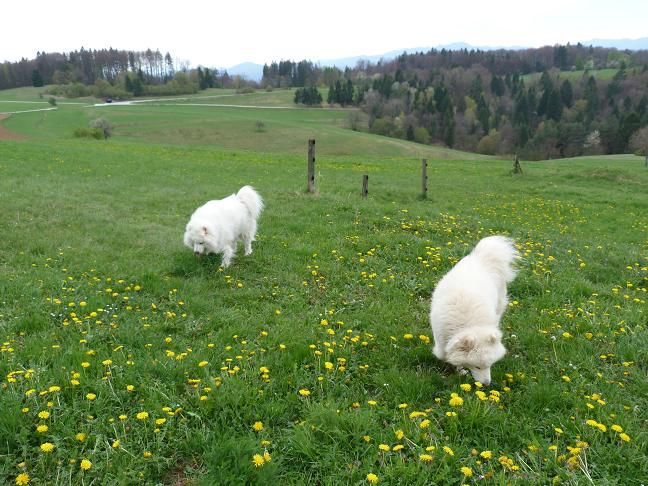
<point x="467" y="306"/>
<point x="218" y="225"/>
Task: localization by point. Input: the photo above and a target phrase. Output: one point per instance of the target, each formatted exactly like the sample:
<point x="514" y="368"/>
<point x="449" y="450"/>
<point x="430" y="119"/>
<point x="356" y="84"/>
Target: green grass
<point x="98" y="293"/>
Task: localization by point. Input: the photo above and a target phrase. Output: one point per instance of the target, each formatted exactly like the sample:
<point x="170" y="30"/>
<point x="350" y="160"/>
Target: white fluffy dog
<point x="218" y="225"/>
<point x="467" y="306"/>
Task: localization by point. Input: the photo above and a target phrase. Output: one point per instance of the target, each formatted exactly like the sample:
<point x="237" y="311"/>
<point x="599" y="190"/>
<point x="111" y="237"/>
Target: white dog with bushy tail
<point x="218" y="225"/>
<point x="467" y="306"/>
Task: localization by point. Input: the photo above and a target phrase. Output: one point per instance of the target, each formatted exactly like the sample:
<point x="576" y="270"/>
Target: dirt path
<point x="5" y="134"/>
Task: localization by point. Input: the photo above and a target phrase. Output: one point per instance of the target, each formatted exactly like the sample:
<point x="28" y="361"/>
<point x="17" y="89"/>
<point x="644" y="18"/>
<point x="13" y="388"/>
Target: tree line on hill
<point x="111" y="73"/>
<point x="541" y="103"/>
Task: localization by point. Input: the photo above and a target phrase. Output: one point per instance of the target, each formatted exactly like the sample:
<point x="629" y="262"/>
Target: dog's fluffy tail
<point x="499" y="254"/>
<point x="251" y="199"/>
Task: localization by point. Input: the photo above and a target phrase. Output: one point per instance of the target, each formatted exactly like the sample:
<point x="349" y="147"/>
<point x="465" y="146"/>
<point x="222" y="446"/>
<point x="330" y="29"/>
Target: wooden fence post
<point x="424" y="178"/>
<point x="365" y="185"/>
<point x="311" y="165"/>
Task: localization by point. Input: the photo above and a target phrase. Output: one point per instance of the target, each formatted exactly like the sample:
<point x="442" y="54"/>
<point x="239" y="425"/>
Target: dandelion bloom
<point x="304" y="392"/>
<point x="403" y="405"/>
<point x="486" y="454"/>
<point x="42" y="428"/>
<point x="258" y="426"/>
<point x="258" y="460"/>
<point x="130" y="388"/>
<point x="160" y="421"/>
<point x="80" y="436"/>
<point x="85" y="464"/>
<point x="384" y="447"/>
<point x="424" y="424"/>
<point x="44" y="414"/>
<point x="617" y="428"/>
<point x="372" y="478"/>
<point x="122" y="417"/>
<point x="22" y="478"/>
<point x="147" y="454"/>
<point x="202" y="364"/>
<point x="91" y="396"/>
<point x="399" y="434"/>
<point x="267" y="457"/>
<point x="466" y="471"/>
<point x="448" y="451"/>
<point x="398" y="447"/>
<point x="465" y="387"/>
<point x="47" y="447"/>
<point x="456" y="400"/>
<point x="426" y="457"/>
<point x="624" y="437"/>
<point x="115" y="444"/>
<point x="142" y="415"/>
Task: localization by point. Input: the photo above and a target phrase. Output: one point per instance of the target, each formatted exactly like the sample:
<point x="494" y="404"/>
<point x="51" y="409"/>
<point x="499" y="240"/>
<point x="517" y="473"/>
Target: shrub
<point x="102" y="124"/>
<point x="95" y="133"/>
<point x="52" y="101"/>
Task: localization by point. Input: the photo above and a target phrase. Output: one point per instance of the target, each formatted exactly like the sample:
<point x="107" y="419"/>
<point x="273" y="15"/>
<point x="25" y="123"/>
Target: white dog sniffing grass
<point x="467" y="305"/>
<point x="218" y="225"/>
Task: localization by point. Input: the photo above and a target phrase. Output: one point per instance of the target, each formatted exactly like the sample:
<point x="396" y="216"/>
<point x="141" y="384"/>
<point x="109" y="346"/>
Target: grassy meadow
<point x="126" y="360"/>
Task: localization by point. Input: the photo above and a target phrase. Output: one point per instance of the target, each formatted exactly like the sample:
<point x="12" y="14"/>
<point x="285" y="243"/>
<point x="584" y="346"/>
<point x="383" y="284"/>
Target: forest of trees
<point x="529" y="101"/>
<point x="554" y="101"/>
<point x="110" y="72"/>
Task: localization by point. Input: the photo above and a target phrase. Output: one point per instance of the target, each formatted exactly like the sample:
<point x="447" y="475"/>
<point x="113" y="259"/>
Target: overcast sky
<point x="224" y="33"/>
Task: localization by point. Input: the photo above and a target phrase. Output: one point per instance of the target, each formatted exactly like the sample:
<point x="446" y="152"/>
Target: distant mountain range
<point x="254" y="72"/>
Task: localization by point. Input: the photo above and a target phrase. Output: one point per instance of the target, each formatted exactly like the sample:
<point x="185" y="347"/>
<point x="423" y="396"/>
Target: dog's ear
<point x="204" y="230"/>
<point x="467" y="343"/>
<point x="494" y="337"/>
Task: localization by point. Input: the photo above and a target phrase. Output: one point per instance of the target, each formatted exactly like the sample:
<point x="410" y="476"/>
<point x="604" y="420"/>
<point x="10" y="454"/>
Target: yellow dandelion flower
<point x="91" y="396"/>
<point x="142" y="415"/>
<point x="122" y="417"/>
<point x="130" y="388"/>
<point x="202" y="364"/>
<point x="47" y="447"/>
<point x="22" y="479"/>
<point x="448" y="451"/>
<point x="426" y="457"/>
<point x="456" y="400"/>
<point x="42" y="428"/>
<point x="486" y="454"/>
<point x="624" y="437"/>
<point x="267" y="457"/>
<point x="115" y="444"/>
<point x="160" y="421"/>
<point x="398" y="447"/>
<point x="147" y="454"/>
<point x="403" y="406"/>
<point x="617" y="428"/>
<point x="258" y="460"/>
<point x="44" y="415"/>
<point x="466" y="471"/>
<point x="424" y="424"/>
<point x="80" y="437"/>
<point x="465" y="387"/>
<point x="304" y="392"/>
<point x="399" y="434"/>
<point x="372" y="478"/>
<point x="372" y="402"/>
<point x="258" y="426"/>
<point x="384" y="447"/>
<point x="408" y="336"/>
<point x="85" y="464"/>
<point x="107" y="362"/>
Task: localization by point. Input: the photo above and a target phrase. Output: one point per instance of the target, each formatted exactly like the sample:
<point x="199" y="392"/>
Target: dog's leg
<point x="228" y="254"/>
<point x="248" y="238"/>
<point x="247" y="243"/>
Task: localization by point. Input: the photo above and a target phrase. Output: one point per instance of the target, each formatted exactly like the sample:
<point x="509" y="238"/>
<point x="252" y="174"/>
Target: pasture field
<point x="126" y="360"/>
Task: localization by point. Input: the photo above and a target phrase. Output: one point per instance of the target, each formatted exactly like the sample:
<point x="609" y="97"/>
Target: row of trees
<point x="111" y="72"/>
